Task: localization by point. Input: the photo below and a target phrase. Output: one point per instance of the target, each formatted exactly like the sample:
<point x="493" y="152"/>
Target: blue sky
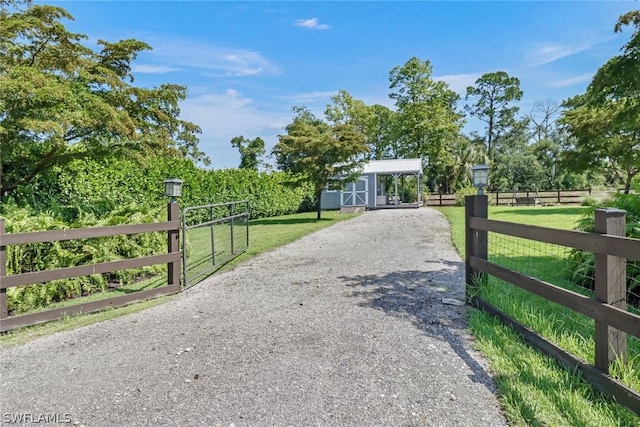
<point x="247" y="63"/>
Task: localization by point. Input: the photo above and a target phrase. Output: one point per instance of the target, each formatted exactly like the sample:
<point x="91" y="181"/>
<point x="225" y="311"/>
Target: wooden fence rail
<point x="612" y="320"/>
<point x="509" y="198"/>
<point x="172" y="258"/>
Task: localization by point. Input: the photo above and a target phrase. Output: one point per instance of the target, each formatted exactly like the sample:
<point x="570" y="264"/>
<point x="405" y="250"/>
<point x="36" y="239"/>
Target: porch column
<point x="395" y="181"/>
<point x="419" y="189"/>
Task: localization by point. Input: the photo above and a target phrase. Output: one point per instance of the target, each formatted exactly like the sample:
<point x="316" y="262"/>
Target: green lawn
<point x="534" y="389"/>
<point x="264" y="234"/>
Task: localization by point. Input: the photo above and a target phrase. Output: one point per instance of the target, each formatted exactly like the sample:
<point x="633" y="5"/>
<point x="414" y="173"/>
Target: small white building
<point x="378" y="187"/>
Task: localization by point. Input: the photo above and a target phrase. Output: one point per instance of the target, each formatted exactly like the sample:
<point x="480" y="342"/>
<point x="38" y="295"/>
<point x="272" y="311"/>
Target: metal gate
<point x="212" y="235"/>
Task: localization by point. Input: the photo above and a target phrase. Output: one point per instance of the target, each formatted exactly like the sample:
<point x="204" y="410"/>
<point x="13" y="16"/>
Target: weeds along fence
<point x="171" y="258"/>
<point x="551" y="197"/>
<point x="573" y="295"/>
<point x="212" y="236"/>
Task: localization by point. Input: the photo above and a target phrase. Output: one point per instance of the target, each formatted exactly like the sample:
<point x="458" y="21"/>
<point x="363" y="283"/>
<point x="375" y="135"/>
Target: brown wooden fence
<point x="529" y="198"/>
<point x="612" y="321"/>
<point x="171" y="258"/>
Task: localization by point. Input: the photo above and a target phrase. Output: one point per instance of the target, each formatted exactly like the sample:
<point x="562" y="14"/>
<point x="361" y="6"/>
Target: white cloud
<point x="225" y="115"/>
<point x="571" y="81"/>
<point x="276" y="125"/>
<point x="314" y="96"/>
<point x="153" y="69"/>
<point x="545" y="53"/>
<point x="216" y="60"/>
<point x="311" y="23"/>
<point x="459" y="82"/>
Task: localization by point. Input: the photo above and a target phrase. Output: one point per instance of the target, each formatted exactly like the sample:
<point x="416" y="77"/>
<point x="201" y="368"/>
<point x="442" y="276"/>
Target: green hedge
<point x="111" y="192"/>
<point x="101" y="187"/>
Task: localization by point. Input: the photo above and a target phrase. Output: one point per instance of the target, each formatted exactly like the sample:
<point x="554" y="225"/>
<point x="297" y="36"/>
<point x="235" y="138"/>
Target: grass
<point x="536" y="390"/>
<point x="264" y="235"/>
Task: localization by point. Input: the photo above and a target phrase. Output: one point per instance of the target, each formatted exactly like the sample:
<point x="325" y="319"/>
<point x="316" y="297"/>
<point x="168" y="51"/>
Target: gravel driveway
<point x="343" y="327"/>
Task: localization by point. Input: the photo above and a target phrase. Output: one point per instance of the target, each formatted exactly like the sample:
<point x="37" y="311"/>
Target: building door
<point x="356" y="193"/>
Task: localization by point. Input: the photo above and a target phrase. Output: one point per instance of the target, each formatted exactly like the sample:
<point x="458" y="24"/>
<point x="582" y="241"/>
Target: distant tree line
<point x="62" y="101"/>
<point x="589" y="140"/>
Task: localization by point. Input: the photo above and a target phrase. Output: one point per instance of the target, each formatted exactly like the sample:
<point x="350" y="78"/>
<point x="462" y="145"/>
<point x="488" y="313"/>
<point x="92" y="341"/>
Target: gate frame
<point x="211" y="223"/>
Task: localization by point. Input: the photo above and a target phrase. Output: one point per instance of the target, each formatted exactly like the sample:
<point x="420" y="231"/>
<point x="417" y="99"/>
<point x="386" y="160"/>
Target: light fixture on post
<point x="480" y="177"/>
<point x="173" y="188"/>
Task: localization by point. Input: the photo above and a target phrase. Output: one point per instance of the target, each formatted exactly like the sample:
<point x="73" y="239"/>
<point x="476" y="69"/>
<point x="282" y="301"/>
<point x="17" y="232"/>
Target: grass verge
<point x="535" y="390"/>
<point x="265" y="234"/>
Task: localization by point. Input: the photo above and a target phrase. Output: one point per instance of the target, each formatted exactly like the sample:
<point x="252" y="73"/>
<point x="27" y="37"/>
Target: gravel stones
<point x="346" y="326"/>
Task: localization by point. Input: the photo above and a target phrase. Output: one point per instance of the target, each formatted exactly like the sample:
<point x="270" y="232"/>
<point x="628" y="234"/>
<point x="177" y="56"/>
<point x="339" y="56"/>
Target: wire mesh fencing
<point x="570" y="269"/>
<point x="212" y="235"/>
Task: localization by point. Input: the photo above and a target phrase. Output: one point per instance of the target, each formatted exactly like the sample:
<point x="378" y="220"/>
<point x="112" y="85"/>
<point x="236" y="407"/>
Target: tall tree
<point x="251" y="150"/>
<point x="61" y="100"/>
<point x="379" y="129"/>
<point x="319" y="153"/>
<point x="374" y="121"/>
<point x="543" y="118"/>
<point x="345" y="109"/>
<point x="605" y="121"/>
<point x="427" y="120"/>
<point x="494" y="93"/>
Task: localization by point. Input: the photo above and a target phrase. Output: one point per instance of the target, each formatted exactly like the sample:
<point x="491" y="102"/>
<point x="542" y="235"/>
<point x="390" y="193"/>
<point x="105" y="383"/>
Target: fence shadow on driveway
<point x="418" y="297"/>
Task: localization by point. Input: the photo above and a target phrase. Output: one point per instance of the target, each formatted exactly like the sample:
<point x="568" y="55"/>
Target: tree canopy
<point x="426" y="117"/>
<point x="319" y="153"/>
<point x="494" y="92"/>
<point x="376" y="122"/>
<point x="605" y="121"/>
<point x="250" y="151"/>
<point x="61" y="100"/>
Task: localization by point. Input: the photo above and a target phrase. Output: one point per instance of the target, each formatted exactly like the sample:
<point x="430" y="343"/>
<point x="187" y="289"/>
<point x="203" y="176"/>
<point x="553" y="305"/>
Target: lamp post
<point x="480" y="177"/>
<point x="173" y="188"/>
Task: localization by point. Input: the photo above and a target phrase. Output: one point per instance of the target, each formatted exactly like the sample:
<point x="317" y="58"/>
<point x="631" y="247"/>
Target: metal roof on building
<point x="393" y="166"/>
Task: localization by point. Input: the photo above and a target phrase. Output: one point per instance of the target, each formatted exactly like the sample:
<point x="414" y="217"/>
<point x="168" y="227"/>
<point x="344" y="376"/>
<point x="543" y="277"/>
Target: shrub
<point x="470" y="191"/>
<point x="463" y="192"/>
<point x="589" y="201"/>
<point x="53" y="255"/>
<point x="581" y="263"/>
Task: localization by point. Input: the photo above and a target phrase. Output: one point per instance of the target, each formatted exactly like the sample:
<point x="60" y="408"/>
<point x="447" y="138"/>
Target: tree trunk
<point x="318" y="198"/>
<point x="627" y="184"/>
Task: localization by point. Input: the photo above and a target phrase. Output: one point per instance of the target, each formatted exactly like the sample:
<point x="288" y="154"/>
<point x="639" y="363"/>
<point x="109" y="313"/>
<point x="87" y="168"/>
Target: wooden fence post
<point x="476" y="243"/>
<point x="173" y="245"/>
<point x="4" y="311"/>
<point x="610" y="288"/>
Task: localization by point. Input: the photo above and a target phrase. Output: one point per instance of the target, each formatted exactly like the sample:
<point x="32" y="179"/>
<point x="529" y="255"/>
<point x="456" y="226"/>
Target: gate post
<point x="476" y="243"/>
<point x="610" y="288"/>
<point x="232" y="213"/>
<point x="4" y="311"/>
<point x="173" y="245"/>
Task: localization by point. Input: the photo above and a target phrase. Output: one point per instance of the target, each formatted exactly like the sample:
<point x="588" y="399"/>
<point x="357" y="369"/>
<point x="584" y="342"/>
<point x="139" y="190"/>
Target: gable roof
<point x="394" y="166"/>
